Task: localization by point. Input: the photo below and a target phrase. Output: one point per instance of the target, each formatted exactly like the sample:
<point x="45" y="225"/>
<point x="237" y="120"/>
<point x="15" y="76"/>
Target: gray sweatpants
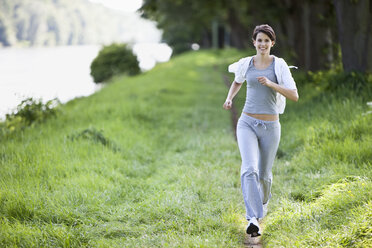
<point x="258" y="142"/>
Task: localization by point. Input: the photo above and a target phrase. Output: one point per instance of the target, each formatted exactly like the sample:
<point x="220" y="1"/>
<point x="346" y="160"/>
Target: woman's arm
<point x="288" y="93"/>
<point x="234" y="89"/>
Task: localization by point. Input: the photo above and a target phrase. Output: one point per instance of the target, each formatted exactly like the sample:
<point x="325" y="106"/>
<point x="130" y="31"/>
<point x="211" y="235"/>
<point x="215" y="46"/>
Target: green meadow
<point x="152" y="161"/>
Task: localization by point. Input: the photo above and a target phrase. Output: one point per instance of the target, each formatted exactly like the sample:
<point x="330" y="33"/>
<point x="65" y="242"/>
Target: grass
<point x="322" y="180"/>
<point x="151" y="161"/>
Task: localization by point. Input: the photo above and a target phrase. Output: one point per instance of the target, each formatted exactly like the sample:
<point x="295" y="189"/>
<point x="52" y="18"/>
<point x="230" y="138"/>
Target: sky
<point x="122" y="5"/>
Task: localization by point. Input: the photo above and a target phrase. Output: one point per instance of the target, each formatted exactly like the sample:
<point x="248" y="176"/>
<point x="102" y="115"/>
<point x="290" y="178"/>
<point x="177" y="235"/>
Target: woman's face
<point x="263" y="44"/>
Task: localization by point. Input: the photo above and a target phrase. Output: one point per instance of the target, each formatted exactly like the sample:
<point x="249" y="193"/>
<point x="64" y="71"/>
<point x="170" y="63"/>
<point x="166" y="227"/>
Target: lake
<point x="58" y="72"/>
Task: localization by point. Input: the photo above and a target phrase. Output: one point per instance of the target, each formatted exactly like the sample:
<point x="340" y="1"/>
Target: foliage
<point x="29" y="112"/>
<point x="185" y="22"/>
<point x="346" y="84"/>
<point x="112" y="60"/>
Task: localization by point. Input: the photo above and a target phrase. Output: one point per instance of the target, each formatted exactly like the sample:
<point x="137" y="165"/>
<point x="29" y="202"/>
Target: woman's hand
<point x="288" y="93"/>
<point x="264" y="81"/>
<point x="227" y="104"/>
<point x="234" y="88"/>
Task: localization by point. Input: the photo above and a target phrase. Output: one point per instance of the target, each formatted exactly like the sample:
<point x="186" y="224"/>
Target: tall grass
<point x="322" y="180"/>
<point x="149" y="161"/>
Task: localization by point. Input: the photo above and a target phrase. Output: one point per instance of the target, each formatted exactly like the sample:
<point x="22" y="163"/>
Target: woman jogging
<point x="269" y="83"/>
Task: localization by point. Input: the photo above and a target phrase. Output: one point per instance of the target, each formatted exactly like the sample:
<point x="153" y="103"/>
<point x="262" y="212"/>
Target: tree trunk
<point x="306" y="33"/>
<point x="329" y="42"/>
<point x="221" y="36"/>
<point x="321" y="43"/>
<point x="206" y="39"/>
<point x="238" y="33"/>
<point x="214" y="34"/>
<point x="354" y="19"/>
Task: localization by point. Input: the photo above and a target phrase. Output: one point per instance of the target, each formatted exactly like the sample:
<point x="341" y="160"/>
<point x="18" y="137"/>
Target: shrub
<point x="343" y="83"/>
<point x="27" y="113"/>
<point x="112" y="60"/>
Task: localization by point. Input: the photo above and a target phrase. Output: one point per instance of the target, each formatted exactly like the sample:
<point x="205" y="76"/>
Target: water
<point x="57" y="72"/>
<point x="47" y="73"/>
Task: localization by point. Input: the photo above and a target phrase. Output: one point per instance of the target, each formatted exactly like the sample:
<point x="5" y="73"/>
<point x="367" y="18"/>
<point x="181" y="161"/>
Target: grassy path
<point x="249" y="242"/>
<point x="234" y="112"/>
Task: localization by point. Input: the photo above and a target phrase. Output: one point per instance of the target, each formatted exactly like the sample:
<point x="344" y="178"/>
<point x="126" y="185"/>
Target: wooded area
<point x="311" y="32"/>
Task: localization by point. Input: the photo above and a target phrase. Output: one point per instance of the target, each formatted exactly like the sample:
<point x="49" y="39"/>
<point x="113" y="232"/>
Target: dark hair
<point x="266" y="29"/>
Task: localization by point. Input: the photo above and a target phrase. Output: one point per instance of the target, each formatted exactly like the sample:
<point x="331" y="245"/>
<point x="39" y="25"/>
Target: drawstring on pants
<point x="259" y="122"/>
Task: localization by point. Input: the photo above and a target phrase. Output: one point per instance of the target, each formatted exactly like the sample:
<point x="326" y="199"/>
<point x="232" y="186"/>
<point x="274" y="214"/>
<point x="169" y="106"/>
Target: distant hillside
<point x="69" y="22"/>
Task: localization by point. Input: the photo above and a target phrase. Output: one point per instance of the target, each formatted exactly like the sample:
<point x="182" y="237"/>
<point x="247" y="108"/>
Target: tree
<point x="305" y="29"/>
<point x="354" y="19"/>
<point x="306" y="32"/>
<point x="184" y="21"/>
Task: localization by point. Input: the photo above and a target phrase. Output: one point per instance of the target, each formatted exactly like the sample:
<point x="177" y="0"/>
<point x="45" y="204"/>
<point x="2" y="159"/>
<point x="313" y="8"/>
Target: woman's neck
<point x="263" y="58"/>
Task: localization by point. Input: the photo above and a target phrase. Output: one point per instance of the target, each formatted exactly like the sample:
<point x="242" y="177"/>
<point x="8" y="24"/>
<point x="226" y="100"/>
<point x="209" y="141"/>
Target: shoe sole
<point x="253" y="229"/>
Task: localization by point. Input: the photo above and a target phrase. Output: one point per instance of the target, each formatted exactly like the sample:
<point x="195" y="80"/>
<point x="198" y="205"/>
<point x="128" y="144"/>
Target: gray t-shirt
<point x="260" y="99"/>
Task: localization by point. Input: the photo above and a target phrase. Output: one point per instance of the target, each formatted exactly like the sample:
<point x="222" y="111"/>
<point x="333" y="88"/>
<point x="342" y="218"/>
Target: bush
<point x="343" y="83"/>
<point x="28" y="112"/>
<point x="112" y="60"/>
